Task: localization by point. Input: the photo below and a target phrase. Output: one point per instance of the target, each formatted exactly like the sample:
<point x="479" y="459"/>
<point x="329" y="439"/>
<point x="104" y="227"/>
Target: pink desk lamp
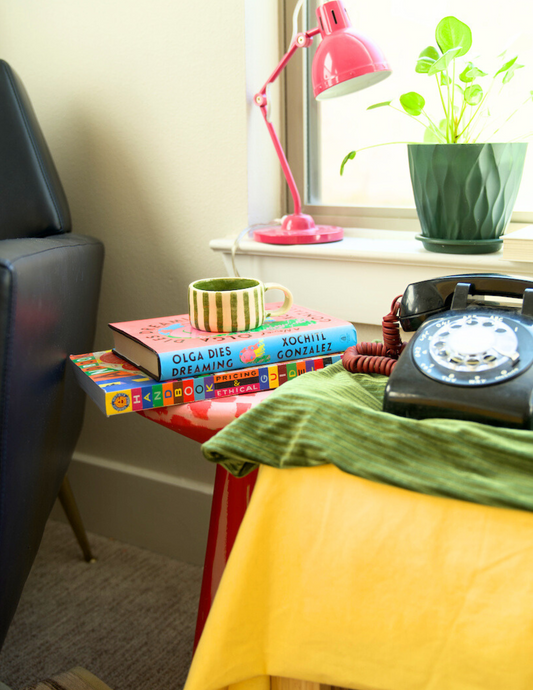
<point x="345" y="61"/>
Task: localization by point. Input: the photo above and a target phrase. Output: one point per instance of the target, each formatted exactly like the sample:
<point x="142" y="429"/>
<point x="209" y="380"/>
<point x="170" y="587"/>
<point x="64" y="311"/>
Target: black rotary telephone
<point x="470" y="357"/>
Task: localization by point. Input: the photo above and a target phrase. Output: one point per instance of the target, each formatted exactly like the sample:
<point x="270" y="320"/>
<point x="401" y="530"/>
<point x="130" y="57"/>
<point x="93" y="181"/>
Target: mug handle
<point x="287" y="304"/>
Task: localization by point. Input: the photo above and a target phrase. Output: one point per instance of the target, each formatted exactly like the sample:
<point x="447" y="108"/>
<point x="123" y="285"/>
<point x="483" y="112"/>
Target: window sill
<point x="356" y="279"/>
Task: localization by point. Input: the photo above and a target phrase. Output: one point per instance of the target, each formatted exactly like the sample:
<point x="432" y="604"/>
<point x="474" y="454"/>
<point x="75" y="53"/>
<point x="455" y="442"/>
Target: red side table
<point x="200" y="421"/>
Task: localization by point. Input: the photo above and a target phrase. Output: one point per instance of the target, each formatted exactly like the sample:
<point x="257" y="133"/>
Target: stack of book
<point x="159" y="362"/>
<point x="518" y="245"/>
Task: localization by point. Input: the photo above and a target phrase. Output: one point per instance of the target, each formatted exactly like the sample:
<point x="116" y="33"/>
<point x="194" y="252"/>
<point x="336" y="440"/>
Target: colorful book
<point x="117" y="386"/>
<point x="169" y="348"/>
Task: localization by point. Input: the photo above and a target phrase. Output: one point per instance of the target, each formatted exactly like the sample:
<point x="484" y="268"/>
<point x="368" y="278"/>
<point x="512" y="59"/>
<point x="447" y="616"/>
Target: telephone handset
<point x="469" y="359"/>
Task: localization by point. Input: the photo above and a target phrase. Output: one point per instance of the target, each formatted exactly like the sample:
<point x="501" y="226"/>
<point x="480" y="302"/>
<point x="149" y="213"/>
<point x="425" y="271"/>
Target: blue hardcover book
<point x="169" y="348"/>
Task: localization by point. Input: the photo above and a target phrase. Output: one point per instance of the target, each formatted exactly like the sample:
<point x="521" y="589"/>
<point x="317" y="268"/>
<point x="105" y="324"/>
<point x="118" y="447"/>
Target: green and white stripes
<point x="220" y="306"/>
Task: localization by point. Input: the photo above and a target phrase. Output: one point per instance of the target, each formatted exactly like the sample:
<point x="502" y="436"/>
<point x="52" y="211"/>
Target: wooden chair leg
<point x="73" y="515"/>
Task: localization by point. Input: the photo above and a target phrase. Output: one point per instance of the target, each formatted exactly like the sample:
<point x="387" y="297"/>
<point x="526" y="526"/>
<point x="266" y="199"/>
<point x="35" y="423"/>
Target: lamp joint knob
<point x="303" y="40"/>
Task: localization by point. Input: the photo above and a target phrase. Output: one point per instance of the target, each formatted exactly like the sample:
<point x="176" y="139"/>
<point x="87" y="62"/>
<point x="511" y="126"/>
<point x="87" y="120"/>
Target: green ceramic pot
<point x="465" y="193"/>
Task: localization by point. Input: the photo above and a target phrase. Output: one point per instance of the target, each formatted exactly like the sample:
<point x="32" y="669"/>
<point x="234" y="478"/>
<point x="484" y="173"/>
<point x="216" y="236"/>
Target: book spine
<point x="270" y="377"/>
<point x="242" y="354"/>
<point x="223" y="385"/>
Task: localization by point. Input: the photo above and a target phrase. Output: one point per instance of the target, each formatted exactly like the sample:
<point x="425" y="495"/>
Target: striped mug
<point x="228" y="305"/>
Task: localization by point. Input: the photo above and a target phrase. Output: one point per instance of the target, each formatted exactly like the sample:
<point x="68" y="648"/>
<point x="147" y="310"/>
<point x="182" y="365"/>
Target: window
<point x="377" y="182"/>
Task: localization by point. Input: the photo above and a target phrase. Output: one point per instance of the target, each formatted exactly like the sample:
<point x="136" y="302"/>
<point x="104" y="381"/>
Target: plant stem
<point x="448" y="130"/>
<point x="374" y="146"/>
<point x="522" y="136"/>
<point x="454" y="125"/>
<point x="441" y="97"/>
<point x="388" y="143"/>
<point x="406" y="113"/>
<point x="431" y="123"/>
<point x="475" y="113"/>
<point x="477" y="110"/>
<point x="434" y="127"/>
<point x="463" y="109"/>
<point x="506" y="120"/>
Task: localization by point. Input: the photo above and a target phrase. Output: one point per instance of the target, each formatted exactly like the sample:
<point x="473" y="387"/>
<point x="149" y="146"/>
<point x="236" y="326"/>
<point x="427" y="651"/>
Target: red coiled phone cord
<point x="378" y="358"/>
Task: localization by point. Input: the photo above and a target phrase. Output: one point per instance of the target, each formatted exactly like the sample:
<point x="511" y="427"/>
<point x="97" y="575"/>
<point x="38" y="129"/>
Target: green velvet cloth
<point x="332" y="416"/>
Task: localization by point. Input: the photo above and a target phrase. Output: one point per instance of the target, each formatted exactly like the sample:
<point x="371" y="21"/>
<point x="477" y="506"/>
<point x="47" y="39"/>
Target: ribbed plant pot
<point x="465" y="193"/>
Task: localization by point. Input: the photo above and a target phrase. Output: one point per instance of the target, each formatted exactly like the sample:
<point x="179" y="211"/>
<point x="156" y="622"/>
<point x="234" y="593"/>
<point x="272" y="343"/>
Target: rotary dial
<point x="474" y="344"/>
<point x="474" y="349"/>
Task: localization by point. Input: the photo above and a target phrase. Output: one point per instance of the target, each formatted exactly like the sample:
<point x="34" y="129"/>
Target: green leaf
<point x="465" y="74"/>
<point x="475" y="72"/>
<point x="426" y="58"/>
<point x="443" y="62"/>
<point x="430" y="137"/>
<point x="347" y="158"/>
<point x="470" y="73"/>
<point x="510" y="73"/>
<point x="444" y="80"/>
<point x="506" y="65"/>
<point x="423" y="65"/>
<point x="452" y="33"/>
<point x="413" y="103"/>
<point x="379" y="105"/>
<point x="473" y="94"/>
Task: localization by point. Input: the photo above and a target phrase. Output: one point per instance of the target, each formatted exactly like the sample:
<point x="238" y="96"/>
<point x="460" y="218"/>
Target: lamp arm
<point x="302" y="40"/>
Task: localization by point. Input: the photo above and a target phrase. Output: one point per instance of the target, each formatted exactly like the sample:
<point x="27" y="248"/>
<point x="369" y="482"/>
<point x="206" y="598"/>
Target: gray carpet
<point x="128" y="618"/>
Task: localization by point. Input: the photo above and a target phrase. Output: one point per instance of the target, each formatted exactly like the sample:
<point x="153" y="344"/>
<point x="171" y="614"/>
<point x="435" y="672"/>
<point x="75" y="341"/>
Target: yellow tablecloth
<point x="340" y="580"/>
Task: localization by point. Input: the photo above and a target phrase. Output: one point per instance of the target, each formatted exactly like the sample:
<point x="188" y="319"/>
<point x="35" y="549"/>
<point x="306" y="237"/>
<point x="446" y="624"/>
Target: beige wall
<point x="146" y="109"/>
<point x="143" y="105"/>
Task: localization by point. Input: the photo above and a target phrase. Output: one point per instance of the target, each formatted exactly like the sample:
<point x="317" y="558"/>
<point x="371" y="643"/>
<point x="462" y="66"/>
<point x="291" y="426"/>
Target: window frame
<point x="296" y="133"/>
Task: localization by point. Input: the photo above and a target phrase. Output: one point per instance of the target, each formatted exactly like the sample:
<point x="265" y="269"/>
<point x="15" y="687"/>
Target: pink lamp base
<point x="320" y="234"/>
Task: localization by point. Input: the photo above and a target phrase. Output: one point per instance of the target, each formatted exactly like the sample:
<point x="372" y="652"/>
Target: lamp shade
<point x="345" y="60"/>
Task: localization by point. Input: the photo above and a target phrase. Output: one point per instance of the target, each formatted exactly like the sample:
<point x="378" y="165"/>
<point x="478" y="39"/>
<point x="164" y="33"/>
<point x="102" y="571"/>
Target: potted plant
<point x="464" y="184"/>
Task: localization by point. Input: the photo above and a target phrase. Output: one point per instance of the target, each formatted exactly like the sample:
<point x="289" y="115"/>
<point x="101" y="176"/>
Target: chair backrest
<point x="49" y="288"/>
<point x="33" y="200"/>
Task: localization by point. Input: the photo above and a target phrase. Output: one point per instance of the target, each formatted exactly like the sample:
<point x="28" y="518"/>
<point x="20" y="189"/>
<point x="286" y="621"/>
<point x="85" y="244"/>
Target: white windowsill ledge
<point x="356" y="279"/>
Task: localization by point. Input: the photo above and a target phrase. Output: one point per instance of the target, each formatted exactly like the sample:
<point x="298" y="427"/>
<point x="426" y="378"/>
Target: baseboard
<point x="165" y="514"/>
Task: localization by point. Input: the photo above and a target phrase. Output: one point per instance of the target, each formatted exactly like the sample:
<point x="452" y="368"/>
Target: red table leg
<point x="230" y="500"/>
<point x="200" y="421"/>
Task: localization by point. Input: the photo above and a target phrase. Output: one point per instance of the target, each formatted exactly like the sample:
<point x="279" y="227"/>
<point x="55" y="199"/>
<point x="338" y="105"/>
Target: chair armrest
<point x="49" y="290"/>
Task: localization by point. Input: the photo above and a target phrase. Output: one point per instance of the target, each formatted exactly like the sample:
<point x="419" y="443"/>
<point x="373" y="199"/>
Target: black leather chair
<point x="49" y="287"/>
